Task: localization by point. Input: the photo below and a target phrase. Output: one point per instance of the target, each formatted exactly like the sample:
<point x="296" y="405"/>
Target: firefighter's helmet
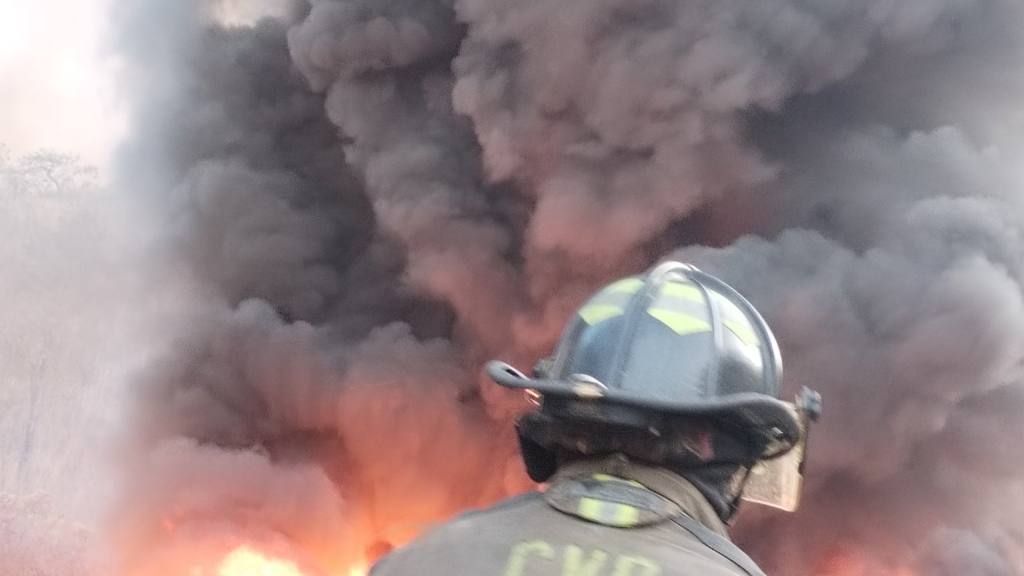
<point x="675" y="344"/>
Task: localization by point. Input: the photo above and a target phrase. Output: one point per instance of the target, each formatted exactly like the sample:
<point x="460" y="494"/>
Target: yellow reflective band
<point x="594" y="313"/>
<point x="610" y="478"/>
<point x="743" y="332"/>
<point x="626" y="515"/>
<point x="682" y="324"/>
<point x="684" y="291"/>
<point x="610" y="302"/>
<point x="608" y="513"/>
<point x="590" y="509"/>
<point x="627" y="286"/>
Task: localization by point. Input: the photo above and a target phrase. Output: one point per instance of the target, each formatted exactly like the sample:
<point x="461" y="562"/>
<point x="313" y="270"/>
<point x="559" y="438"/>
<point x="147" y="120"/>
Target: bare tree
<point x="44" y="173"/>
<point x="57" y="275"/>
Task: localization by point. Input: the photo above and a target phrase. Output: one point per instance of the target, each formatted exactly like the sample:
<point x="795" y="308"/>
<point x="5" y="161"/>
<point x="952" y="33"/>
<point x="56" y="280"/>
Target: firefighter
<point x="660" y="405"/>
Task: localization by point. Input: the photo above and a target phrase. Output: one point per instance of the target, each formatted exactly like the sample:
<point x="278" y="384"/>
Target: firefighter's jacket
<point x="597" y="518"/>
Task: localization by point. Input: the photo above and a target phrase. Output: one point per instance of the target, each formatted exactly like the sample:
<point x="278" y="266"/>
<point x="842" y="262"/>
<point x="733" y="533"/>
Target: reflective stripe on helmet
<point x="594" y="313"/>
<point x="610" y="302"/>
<point x="744" y="332"/>
<point x="682" y="307"/>
<point x="682" y="324"/>
<point x="625" y="286"/>
<point x="685" y="291"/>
<point x="736" y="321"/>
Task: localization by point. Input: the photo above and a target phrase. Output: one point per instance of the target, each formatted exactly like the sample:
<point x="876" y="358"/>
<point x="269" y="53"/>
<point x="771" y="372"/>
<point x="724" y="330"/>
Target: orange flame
<point x="847" y="562"/>
<point x="245" y="561"/>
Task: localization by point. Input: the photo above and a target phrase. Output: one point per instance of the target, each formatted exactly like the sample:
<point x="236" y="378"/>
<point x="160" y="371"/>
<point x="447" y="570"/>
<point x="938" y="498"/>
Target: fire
<point x="245" y="561"/>
<point x="847" y="562"/>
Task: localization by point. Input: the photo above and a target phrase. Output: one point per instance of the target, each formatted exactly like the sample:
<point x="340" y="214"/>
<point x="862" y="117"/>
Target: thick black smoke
<point x="364" y="199"/>
<point x="311" y="385"/>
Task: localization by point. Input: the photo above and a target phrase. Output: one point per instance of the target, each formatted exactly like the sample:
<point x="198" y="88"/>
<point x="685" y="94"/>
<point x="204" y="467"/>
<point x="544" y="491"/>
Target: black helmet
<point x="674" y="343"/>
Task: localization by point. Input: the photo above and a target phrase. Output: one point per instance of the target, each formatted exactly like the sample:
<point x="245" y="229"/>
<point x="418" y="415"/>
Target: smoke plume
<point x="359" y="201"/>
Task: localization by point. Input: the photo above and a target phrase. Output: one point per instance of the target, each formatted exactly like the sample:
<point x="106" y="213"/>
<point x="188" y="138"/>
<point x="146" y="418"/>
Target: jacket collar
<point x="668" y="485"/>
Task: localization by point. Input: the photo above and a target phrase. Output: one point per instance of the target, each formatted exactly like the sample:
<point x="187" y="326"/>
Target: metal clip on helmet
<point x="675" y="343"/>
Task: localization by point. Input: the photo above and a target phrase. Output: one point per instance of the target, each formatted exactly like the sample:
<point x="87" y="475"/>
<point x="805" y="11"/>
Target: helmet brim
<point x="757" y="413"/>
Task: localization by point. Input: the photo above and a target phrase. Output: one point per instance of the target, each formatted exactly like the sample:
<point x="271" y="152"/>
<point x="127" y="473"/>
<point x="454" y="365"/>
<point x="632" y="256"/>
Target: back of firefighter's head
<point x="674" y="369"/>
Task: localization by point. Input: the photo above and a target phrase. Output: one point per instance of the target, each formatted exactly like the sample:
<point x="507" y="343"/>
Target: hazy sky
<point x="56" y="82"/>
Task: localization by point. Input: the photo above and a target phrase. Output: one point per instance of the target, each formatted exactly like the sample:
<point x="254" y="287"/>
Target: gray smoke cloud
<point x="953" y="552"/>
<point x="359" y="201"/>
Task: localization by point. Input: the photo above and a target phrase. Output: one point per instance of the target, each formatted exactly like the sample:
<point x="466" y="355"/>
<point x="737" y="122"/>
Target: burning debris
<point x="360" y="200"/>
